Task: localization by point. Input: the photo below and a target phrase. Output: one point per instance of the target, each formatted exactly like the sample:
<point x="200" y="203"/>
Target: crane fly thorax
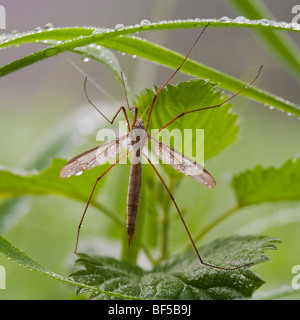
<point x="137" y="136"/>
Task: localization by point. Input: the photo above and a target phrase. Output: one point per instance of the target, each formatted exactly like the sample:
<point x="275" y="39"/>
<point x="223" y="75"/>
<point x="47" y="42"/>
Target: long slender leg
<point x="211" y="107"/>
<point x="172" y="75"/>
<point x="114" y="117"/>
<point x="135" y="108"/>
<point x="186" y="228"/>
<point x="91" y="195"/>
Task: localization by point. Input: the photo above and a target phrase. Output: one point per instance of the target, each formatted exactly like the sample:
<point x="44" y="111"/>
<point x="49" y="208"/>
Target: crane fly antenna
<point x="172" y="75"/>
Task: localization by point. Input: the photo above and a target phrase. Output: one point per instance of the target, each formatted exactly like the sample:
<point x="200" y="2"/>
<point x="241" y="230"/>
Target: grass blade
<point x="279" y="44"/>
<point x="152" y="52"/>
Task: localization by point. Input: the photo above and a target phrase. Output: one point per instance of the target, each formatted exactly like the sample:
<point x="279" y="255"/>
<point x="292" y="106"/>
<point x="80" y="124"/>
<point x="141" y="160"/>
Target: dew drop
<point x="97" y="32"/>
<point x="145" y="22"/>
<point x="134" y="56"/>
<point x="295" y="26"/>
<point x="119" y="26"/>
<point x="225" y="19"/>
<point x="265" y="22"/>
<point x="241" y="19"/>
<point x="48" y="26"/>
<point x="78" y="173"/>
<point x="283" y="24"/>
<point x="85" y="59"/>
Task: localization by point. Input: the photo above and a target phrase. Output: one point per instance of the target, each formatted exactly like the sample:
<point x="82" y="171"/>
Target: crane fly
<point x="136" y="139"/>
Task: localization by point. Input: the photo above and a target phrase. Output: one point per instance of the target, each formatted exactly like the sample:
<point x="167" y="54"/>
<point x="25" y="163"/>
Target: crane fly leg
<point x="172" y="75"/>
<point x="91" y="195"/>
<point x="186" y="228"/>
<point x="212" y="107"/>
<point x="114" y="117"/>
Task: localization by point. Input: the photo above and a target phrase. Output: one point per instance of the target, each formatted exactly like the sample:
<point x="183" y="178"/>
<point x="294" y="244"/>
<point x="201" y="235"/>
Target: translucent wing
<point x="182" y="163"/>
<point x="94" y="157"/>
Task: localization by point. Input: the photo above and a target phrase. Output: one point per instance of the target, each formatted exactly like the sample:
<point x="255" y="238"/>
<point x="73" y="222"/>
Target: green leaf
<point x="116" y="39"/>
<point x="268" y="184"/>
<point x="281" y="293"/>
<point x="17" y="183"/>
<point x="103" y="55"/>
<point x="181" y="277"/>
<point x="14" y="184"/>
<point x="63" y="34"/>
<point x="152" y="52"/>
<point x="16" y="255"/>
<point x="279" y="44"/>
<point x="186" y="96"/>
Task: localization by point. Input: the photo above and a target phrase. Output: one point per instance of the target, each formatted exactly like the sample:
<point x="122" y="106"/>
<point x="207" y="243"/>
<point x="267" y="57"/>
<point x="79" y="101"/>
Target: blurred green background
<point x="45" y="115"/>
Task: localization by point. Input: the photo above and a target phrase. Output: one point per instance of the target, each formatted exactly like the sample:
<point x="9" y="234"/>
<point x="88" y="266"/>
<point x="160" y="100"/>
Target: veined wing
<point x="94" y="157"/>
<point x="182" y="163"/>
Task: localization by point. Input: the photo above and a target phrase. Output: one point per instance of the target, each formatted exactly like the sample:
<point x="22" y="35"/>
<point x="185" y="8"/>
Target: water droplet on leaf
<point x="119" y="26"/>
<point x="79" y="172"/>
<point x="225" y="19"/>
<point x="265" y="22"/>
<point x="97" y="32"/>
<point x="145" y="22"/>
<point x="49" y="26"/>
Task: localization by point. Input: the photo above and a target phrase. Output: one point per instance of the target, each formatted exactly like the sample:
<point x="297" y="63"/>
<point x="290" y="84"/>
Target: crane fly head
<point x="139" y="124"/>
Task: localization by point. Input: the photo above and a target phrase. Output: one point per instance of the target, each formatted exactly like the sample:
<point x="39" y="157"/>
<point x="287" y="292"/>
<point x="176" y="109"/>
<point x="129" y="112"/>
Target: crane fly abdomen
<point x="133" y="196"/>
<point x="138" y="136"/>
